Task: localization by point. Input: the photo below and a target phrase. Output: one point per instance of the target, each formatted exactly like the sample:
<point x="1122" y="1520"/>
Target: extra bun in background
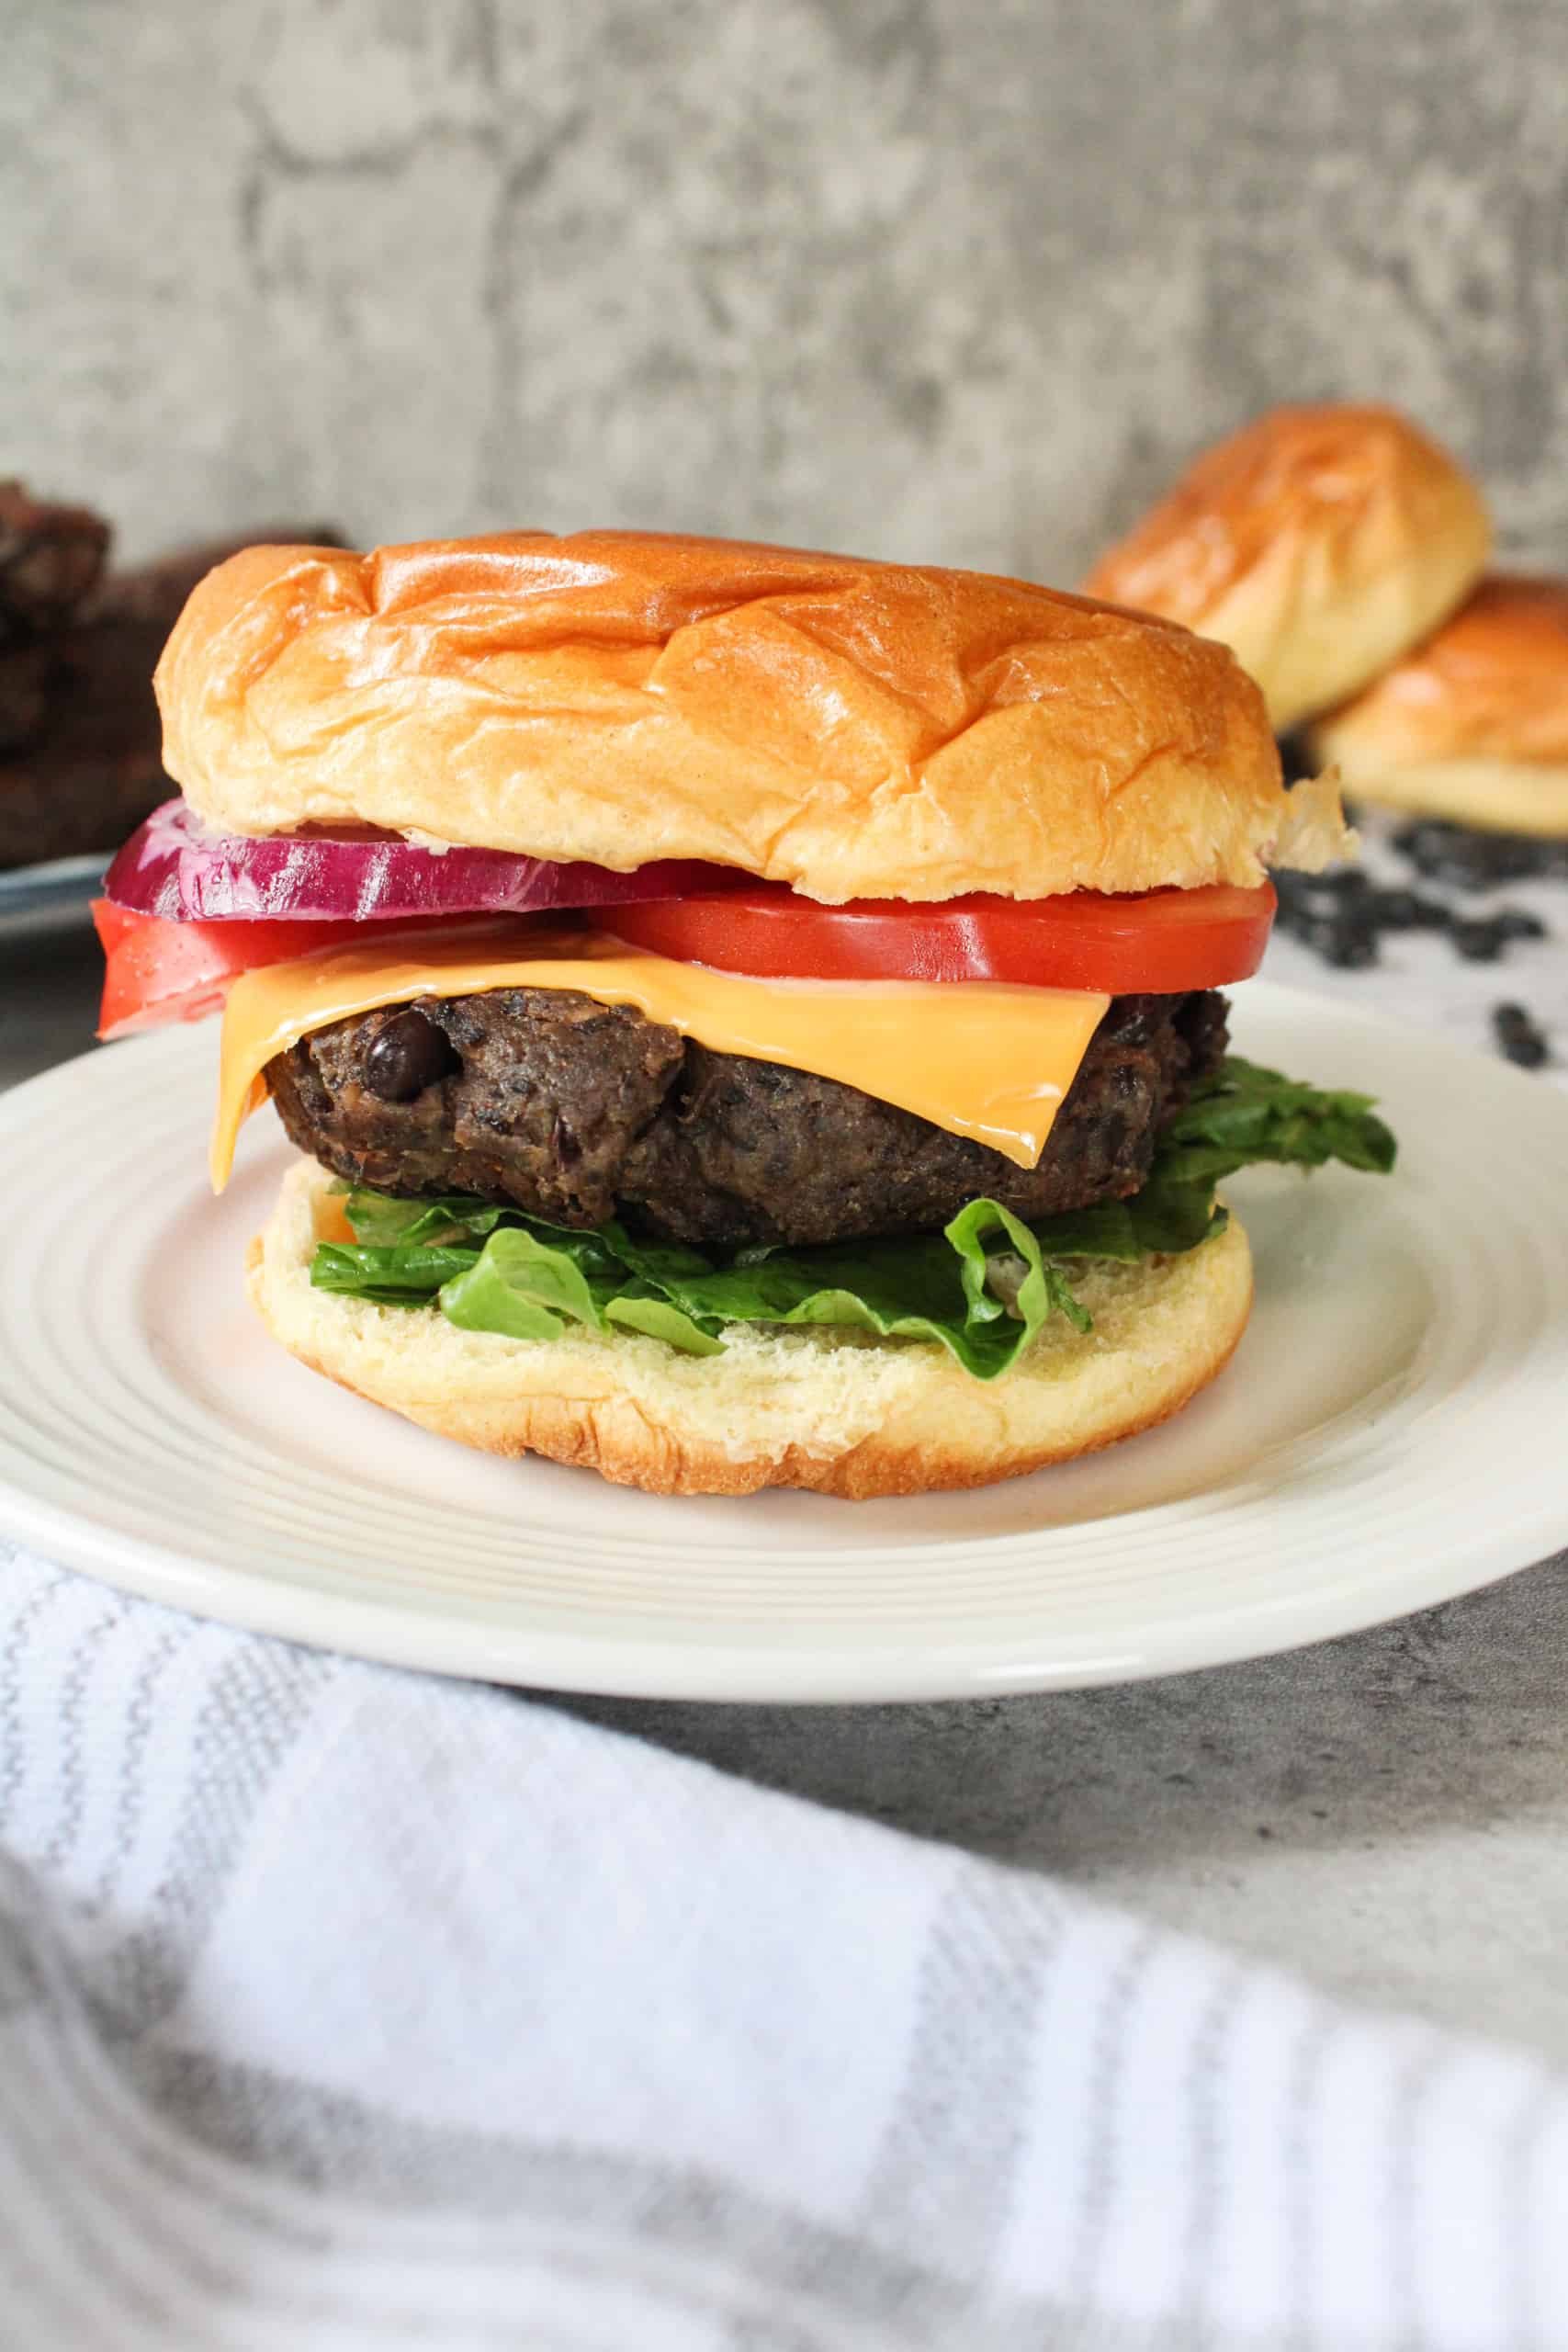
<point x="855" y="730"/>
<point x="1319" y="543"/>
<point x="1473" y="725"/>
<point x="815" y="1408"/>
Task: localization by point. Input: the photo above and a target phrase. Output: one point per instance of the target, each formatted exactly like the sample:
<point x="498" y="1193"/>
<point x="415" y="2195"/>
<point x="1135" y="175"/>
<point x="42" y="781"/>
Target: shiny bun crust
<point x="854" y="728"/>
<point x="781" y="1408"/>
<point x="1473" y="725"/>
<point x="1319" y="543"/>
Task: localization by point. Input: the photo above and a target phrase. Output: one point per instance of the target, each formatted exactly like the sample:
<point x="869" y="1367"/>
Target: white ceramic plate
<point x="1391" y="1434"/>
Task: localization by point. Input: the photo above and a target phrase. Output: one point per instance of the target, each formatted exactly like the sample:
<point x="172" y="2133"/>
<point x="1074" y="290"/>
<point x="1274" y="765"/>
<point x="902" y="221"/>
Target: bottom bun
<point x="829" y="1410"/>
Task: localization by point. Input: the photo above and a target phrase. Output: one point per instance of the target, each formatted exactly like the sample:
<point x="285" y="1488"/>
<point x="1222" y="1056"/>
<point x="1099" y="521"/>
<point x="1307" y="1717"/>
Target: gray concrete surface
<point x="958" y="280"/>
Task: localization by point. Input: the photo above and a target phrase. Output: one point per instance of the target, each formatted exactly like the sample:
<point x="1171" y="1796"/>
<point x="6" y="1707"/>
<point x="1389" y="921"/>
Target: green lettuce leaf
<point x="531" y="1281"/>
<point x="380" y="1220"/>
<point x="407" y="1275"/>
<point x="1245" y="1114"/>
<point x="982" y="1288"/>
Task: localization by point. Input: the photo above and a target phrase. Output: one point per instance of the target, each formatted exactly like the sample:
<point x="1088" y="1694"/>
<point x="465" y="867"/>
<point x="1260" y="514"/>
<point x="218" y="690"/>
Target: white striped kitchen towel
<point x="341" y="2007"/>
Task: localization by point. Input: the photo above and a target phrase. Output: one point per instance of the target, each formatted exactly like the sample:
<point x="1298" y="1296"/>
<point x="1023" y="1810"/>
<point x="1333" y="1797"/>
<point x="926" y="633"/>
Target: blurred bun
<point x="1319" y="543"/>
<point x="1473" y="725"/>
<point x="855" y="730"/>
<point x="819" y="1408"/>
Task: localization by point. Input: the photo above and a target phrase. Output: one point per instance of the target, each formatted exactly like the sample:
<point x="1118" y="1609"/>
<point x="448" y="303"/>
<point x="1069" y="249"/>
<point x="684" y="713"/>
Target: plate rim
<point x="383" y="1632"/>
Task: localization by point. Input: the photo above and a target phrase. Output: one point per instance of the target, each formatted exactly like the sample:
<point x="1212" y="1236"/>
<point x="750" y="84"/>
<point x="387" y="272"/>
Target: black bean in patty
<point x="577" y="1110"/>
<point x="407" y="1053"/>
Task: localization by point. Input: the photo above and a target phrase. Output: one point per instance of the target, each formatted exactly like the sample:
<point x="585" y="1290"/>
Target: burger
<point x="747" y="1017"/>
<point x="1320" y="544"/>
<point x="1473" y="725"/>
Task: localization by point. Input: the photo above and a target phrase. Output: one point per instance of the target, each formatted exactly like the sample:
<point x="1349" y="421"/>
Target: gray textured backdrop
<point x="954" y="278"/>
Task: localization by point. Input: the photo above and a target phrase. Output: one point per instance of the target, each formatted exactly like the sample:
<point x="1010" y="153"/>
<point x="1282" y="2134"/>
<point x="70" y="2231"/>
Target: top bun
<point x="1319" y="543"/>
<point x="1474" y="723"/>
<point x="855" y="730"/>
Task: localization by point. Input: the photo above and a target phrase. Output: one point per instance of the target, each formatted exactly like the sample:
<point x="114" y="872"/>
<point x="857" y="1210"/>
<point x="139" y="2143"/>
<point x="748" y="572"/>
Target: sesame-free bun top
<point x="1319" y="543"/>
<point x="856" y="730"/>
<point x="1473" y="725"/>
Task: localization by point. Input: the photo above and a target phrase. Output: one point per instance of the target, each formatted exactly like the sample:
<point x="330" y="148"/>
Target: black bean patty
<point x="577" y="1112"/>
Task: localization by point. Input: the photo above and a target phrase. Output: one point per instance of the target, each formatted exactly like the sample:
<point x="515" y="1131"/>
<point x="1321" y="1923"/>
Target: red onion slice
<point x="172" y="867"/>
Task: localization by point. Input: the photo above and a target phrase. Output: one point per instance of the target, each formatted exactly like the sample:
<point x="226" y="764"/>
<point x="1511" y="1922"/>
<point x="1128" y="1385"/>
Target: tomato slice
<point x="1160" y="941"/>
<point x="157" y="969"/>
<point x="161" y="968"/>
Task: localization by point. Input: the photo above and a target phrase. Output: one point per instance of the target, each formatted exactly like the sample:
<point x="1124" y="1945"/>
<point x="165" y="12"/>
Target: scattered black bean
<point x="1475" y="860"/>
<point x="1480" y="941"/>
<point x="1344" y="941"/>
<point x="1318" y="904"/>
<point x="1517" y="1035"/>
<point x="1333" y="914"/>
<point x="1518" y="923"/>
<point x="1291" y="890"/>
<point x="1342" y="916"/>
<point x="1400" y="909"/>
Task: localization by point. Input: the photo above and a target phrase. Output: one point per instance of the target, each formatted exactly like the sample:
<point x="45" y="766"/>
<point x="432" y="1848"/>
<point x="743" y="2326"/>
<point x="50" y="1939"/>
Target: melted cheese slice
<point x="978" y="1057"/>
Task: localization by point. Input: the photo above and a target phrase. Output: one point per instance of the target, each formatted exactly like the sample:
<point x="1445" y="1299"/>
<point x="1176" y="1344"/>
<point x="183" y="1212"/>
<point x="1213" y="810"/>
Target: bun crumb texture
<point x="833" y="1410"/>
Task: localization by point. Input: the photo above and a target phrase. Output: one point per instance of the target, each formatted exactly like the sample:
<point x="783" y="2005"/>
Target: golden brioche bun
<point x="856" y="730"/>
<point x="821" y="1408"/>
<point x="1473" y="724"/>
<point x="1319" y="543"/>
